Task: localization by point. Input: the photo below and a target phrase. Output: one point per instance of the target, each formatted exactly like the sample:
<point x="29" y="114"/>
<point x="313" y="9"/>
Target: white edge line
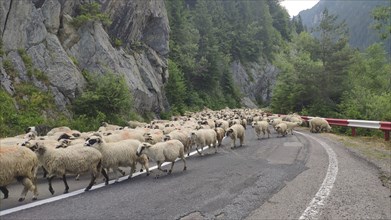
<point x="317" y="203"/>
<point x="80" y="191"/>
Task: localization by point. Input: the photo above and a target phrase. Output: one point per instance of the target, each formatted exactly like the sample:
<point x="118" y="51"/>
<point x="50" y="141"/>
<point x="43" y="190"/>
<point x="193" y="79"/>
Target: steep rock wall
<point x="42" y="28"/>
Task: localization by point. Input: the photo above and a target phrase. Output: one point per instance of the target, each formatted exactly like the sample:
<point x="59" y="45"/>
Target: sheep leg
<point x="184" y="163"/>
<point x="103" y="171"/>
<point x="50" y="184"/>
<point x="233" y="143"/>
<point x="200" y="153"/>
<point x="132" y="170"/>
<point x="4" y="190"/>
<point x="77" y="177"/>
<point x="172" y="165"/>
<point x="116" y="174"/>
<point x="241" y="141"/>
<point x="64" y="179"/>
<point x="28" y="185"/>
<point x="93" y="178"/>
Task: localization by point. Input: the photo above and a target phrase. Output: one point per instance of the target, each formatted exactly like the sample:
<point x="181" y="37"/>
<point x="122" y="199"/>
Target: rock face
<point x="43" y="29"/>
<point x="255" y="82"/>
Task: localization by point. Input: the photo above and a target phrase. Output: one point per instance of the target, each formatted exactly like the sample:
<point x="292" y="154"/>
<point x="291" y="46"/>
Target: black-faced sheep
<point x="59" y="162"/>
<point x="21" y="164"/>
<point x="235" y="132"/>
<point x="116" y="154"/>
<point x="161" y="152"/>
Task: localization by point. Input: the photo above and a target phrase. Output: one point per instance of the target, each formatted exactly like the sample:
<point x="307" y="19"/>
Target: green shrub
<point x="90" y="13"/>
<point x="117" y="43"/>
<point x="9" y="68"/>
<point x="107" y="96"/>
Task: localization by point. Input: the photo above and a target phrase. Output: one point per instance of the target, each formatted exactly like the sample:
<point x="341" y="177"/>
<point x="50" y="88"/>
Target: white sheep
<point x="222" y="124"/>
<point x="161" y="152"/>
<point x="220" y="133"/>
<point x="21" y="164"/>
<point x="59" y="162"/>
<point x="291" y="125"/>
<point x="182" y="136"/>
<point x="281" y="129"/>
<point x="261" y="126"/>
<point x="203" y="137"/>
<point x="59" y="129"/>
<point x="124" y="135"/>
<point x="318" y="125"/>
<point x="235" y="132"/>
<point x="274" y="122"/>
<point x="116" y="154"/>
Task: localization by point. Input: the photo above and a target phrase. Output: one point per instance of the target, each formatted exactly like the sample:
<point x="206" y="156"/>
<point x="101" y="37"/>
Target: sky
<point x="295" y="6"/>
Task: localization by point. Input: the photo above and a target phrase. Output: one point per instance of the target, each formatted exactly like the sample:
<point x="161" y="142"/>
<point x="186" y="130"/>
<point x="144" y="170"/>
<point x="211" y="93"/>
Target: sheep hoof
<point x="169" y="172"/>
<point x="141" y="170"/>
<point x="185" y="168"/>
<point x="147" y="174"/>
<point x="21" y="199"/>
<point x="165" y="170"/>
<point x="35" y="198"/>
<point x="65" y="191"/>
<point x="51" y="191"/>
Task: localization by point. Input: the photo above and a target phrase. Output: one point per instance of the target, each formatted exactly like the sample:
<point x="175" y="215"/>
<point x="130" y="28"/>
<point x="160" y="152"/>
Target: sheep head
<point x="93" y="140"/>
<point x="142" y="147"/>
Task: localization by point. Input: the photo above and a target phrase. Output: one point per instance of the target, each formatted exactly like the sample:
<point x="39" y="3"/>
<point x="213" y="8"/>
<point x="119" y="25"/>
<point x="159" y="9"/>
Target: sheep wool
<point x="59" y="162"/>
<point x="116" y="154"/>
<point x="235" y="132"/>
<point x="20" y="163"/>
<point x="161" y="152"/>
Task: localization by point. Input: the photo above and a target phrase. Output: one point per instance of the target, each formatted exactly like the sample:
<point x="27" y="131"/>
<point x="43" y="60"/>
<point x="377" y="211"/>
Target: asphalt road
<point x="299" y="176"/>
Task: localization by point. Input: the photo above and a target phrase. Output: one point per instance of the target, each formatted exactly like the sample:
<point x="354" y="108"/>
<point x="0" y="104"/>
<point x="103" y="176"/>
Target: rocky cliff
<point x="43" y="29"/>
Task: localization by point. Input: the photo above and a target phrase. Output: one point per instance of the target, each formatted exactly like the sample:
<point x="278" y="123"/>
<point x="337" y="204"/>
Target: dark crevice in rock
<point x="6" y="18"/>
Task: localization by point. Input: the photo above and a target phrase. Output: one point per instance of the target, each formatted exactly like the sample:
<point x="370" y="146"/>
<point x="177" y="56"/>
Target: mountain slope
<point x="357" y="15"/>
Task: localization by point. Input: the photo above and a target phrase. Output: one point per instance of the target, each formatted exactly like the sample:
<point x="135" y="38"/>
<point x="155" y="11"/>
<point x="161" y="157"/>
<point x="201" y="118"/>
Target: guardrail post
<point x="386" y="135"/>
<point x="353" y="131"/>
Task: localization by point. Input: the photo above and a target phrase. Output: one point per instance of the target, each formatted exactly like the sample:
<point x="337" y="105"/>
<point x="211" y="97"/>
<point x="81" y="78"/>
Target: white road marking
<point x="318" y="202"/>
<point x="80" y="191"/>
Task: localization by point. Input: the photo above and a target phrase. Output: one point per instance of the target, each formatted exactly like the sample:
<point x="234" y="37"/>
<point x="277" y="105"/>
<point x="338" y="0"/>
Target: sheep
<point x="291" y="125"/>
<point x="220" y="132"/>
<point x="153" y="137"/>
<point x="318" y="125"/>
<point x="202" y="138"/>
<point x="117" y="154"/>
<point x="135" y="124"/>
<point x="109" y="127"/>
<point x="281" y="129"/>
<point x="161" y="152"/>
<point x="261" y="126"/>
<point x="39" y="129"/>
<point x="59" y="162"/>
<point x="275" y="121"/>
<point x="124" y="135"/>
<point x="21" y="164"/>
<point x="234" y="132"/>
<point x="59" y="129"/>
<point x="180" y="135"/>
<point x="223" y="124"/>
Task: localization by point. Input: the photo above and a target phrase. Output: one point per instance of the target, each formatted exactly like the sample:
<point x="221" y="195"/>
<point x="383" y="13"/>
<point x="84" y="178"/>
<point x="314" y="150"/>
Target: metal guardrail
<point x="385" y="126"/>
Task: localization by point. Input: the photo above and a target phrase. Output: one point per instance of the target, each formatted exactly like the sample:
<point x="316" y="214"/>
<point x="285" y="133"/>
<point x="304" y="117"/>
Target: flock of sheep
<point x="63" y="151"/>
